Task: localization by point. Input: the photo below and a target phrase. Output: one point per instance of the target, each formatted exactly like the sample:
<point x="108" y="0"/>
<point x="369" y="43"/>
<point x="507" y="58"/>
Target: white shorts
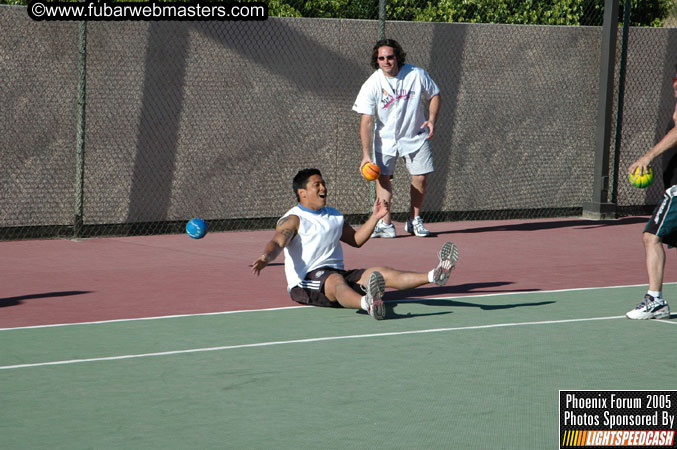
<point x="419" y="162"/>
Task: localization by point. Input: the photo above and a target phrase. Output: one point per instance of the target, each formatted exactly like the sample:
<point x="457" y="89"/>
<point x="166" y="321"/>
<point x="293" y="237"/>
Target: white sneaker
<point x="416" y="227"/>
<point x="376" y="286"/>
<point x="650" y="308"/>
<point x="448" y="256"/>
<point x="384" y="230"/>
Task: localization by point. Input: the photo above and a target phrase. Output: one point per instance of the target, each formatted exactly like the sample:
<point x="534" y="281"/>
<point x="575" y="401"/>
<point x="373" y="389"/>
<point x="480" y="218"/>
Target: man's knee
<point x="419" y="181"/>
<point x="387" y="272"/>
<point x="332" y="283"/>
<point x="651" y="240"/>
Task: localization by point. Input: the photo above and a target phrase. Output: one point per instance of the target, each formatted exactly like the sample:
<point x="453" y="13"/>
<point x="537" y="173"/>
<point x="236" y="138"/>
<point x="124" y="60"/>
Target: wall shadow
<point x="266" y="47"/>
<point x="160" y="117"/>
<point x="446" y="69"/>
<point x="162" y="103"/>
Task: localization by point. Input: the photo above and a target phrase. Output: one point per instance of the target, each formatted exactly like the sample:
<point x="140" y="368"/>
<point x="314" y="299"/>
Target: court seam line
<point x="281" y="308"/>
<point x="301" y="341"/>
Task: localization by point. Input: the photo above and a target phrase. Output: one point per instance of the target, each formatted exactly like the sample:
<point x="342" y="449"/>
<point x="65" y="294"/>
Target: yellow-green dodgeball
<point x="641" y="180"/>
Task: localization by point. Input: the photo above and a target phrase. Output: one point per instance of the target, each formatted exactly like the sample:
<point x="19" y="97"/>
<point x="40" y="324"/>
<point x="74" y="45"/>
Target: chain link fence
<point x="213" y="119"/>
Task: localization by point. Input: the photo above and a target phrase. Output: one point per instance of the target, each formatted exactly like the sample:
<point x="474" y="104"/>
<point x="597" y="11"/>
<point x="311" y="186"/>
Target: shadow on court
<point x="395" y="298"/>
<point x="13" y="301"/>
<point x="465" y="288"/>
<point x="536" y="226"/>
<point x="392" y="314"/>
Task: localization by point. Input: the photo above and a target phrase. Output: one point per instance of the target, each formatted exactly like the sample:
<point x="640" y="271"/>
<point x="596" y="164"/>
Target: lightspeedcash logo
<point x="617" y="419"/>
<point x="619" y="438"/>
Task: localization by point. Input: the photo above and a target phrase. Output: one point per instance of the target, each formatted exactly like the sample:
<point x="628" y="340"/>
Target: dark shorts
<point x="311" y="290"/>
<point x="663" y="222"/>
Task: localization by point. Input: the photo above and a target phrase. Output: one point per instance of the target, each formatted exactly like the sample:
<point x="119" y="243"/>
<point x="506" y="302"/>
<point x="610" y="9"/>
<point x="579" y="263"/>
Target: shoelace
<point x="643" y="303"/>
<point x="649" y="303"/>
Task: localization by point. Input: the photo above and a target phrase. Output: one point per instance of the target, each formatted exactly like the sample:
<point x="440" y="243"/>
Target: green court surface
<point x="480" y="372"/>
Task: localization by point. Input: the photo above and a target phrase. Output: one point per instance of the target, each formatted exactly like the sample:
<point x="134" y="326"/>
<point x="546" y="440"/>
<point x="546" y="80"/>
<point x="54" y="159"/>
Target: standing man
<point x="394" y="95"/>
<point x="662" y="227"/>
<point x="311" y="234"/>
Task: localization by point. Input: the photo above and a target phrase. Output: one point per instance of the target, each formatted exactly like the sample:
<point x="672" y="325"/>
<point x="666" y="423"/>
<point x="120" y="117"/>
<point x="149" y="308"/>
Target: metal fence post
<point x="627" y="9"/>
<point x="381" y="19"/>
<point x="599" y="207"/>
<point x="80" y="131"/>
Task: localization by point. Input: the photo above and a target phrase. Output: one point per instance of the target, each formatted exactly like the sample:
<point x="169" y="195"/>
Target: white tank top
<point x="317" y="243"/>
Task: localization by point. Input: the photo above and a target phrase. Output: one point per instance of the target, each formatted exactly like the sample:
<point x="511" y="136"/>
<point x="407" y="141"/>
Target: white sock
<point x="431" y="276"/>
<point x="364" y="304"/>
<point x="655" y="294"/>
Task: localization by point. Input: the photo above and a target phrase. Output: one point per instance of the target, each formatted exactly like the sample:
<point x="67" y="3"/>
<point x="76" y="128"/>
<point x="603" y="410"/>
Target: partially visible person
<point x="393" y="97"/>
<point x="311" y="234"/>
<point x="662" y="227"/>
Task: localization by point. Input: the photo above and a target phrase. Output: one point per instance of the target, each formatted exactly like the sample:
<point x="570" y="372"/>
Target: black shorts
<point x="663" y="222"/>
<point x="311" y="290"/>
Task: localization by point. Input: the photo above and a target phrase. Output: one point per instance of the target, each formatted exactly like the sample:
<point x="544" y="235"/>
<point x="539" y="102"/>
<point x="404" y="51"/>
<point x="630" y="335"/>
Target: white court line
<point x="175" y="316"/>
<point x="671" y="322"/>
<point x="302" y="341"/>
<point x="499" y="294"/>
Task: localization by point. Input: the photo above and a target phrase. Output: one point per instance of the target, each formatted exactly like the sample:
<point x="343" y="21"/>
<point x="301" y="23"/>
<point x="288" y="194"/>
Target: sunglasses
<point x="388" y="57"/>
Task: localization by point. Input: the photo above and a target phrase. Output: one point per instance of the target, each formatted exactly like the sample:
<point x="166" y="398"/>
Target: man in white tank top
<point x="310" y="235"/>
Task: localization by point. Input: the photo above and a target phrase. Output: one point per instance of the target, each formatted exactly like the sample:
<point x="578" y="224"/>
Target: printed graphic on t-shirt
<point x="388" y="99"/>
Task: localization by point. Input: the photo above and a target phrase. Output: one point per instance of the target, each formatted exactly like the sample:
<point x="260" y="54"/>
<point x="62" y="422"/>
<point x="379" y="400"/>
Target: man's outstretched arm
<point x="285" y="230"/>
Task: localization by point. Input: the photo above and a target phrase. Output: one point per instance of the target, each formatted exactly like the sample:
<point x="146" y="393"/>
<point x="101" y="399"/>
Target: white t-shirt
<point x="317" y="243"/>
<point x="397" y="104"/>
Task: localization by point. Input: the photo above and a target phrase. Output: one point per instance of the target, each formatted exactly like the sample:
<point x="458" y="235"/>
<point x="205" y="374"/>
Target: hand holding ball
<point x="641" y="180"/>
<point x="196" y="228"/>
<point x="371" y="171"/>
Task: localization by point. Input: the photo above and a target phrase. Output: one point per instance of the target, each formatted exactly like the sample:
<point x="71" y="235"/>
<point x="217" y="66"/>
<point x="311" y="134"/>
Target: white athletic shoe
<point x="384" y="230"/>
<point x="416" y="227"/>
<point x="448" y="256"/>
<point x="375" y="289"/>
<point x="650" y="308"/>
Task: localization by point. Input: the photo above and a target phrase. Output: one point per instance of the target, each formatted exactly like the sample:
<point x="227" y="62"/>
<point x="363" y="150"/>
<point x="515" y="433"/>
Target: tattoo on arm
<point x="285" y="226"/>
<point x="288" y="234"/>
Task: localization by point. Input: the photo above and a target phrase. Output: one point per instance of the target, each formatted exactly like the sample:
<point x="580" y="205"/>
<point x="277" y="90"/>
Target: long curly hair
<point x="399" y="53"/>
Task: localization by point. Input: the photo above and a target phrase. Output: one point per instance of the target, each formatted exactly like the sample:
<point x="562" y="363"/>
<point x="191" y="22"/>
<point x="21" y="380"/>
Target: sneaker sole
<point x="375" y="290"/>
<point x="449" y="251"/>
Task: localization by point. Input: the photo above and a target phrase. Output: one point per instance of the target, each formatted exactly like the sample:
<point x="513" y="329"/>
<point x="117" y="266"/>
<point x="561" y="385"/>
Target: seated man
<point x="310" y="233"/>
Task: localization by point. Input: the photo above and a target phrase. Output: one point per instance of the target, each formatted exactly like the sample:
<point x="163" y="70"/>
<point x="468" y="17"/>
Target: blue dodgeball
<point x="196" y="228"/>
